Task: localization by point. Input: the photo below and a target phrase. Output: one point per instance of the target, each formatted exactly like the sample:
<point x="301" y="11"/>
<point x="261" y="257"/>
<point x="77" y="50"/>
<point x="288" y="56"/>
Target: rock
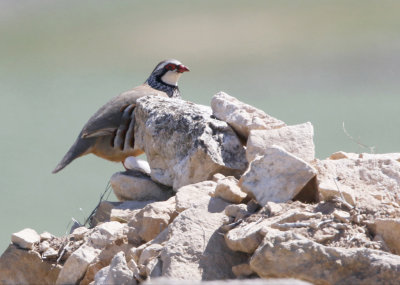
<point x="104" y="258"/>
<point x="374" y="183"/>
<point x="135" y="185"/>
<point x="330" y="189"/>
<point x="118" y="273"/>
<point x="355" y="156"/>
<point x="242" y="117"/>
<point x="151" y="220"/>
<point x="46" y="236"/>
<point x="278" y="176"/>
<point x="198" y="196"/>
<point x="105" y="234"/>
<point x="76" y="265"/>
<point x="124" y="212"/>
<point x="196" y="250"/>
<point x="79" y="233"/>
<point x="183" y="143"/>
<point x="238" y="211"/>
<point x="103" y="212"/>
<point x="50" y="253"/>
<point x="389" y="230"/>
<point x="43" y="246"/>
<point x="21" y="267"/>
<point x="271" y="281"/>
<point x="149" y="263"/>
<point x="246" y="237"/>
<point x="289" y="254"/>
<point x="25" y="238"/>
<point x="228" y="189"/>
<point x="150" y="252"/>
<point x="242" y="270"/>
<point x="297" y="139"/>
<point x="133" y="163"/>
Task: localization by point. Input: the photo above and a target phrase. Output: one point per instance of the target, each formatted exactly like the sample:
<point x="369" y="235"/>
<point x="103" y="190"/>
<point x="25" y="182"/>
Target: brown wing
<point x="108" y="118"/>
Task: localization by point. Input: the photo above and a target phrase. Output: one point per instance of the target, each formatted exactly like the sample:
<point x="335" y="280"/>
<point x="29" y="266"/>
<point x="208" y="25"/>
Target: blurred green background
<point x="327" y="62"/>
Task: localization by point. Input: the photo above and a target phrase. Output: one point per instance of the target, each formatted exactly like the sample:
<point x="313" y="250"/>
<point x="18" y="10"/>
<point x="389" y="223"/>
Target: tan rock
<point x="75" y="267"/>
<point x="389" y="230"/>
<point x="278" y="256"/>
<point x="21" y="267"/>
<point x="150" y="252"/>
<point x="330" y="189"/>
<point x="242" y="270"/>
<point x="105" y="234"/>
<point x="196" y="250"/>
<point x="198" y="196"/>
<point x="152" y="220"/>
<point x="118" y="273"/>
<point x="297" y="139"/>
<point x="103" y="212"/>
<point x="253" y="281"/>
<point x="25" y="238"/>
<point x="134" y="185"/>
<point x="373" y="182"/>
<point x="242" y="117"/>
<point x="354" y="156"/>
<point x="46" y="236"/>
<point x="79" y="233"/>
<point x="124" y="212"/>
<point x="278" y="176"/>
<point x="246" y="237"/>
<point x="197" y="147"/>
<point x="238" y="211"/>
<point x="228" y="189"/>
<point x="104" y="258"/>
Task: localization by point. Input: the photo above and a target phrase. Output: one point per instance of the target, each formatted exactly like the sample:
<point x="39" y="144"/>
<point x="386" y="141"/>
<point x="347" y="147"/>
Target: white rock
<point x="133" y="163"/>
<point x="50" y="253"/>
<point x="150" y="252"/>
<point x="283" y="254"/>
<point x="80" y="232"/>
<point x="278" y="176"/>
<point x="196" y="250"/>
<point x="24" y="267"/>
<point x="236" y="211"/>
<point x="118" y="273"/>
<point x="389" y="230"/>
<point x="198" y="196"/>
<point x="76" y="265"/>
<point x="151" y="220"/>
<point x="183" y="143"/>
<point x="25" y="238"/>
<point x="297" y="139"/>
<point x="43" y="246"/>
<point x="134" y="185"/>
<point x="46" y="236"/>
<point x="242" y="117"/>
<point x="228" y="189"/>
<point x="354" y="156"/>
<point x="124" y="212"/>
<point x="329" y="189"/>
<point x="373" y="182"/>
<point x="105" y="234"/>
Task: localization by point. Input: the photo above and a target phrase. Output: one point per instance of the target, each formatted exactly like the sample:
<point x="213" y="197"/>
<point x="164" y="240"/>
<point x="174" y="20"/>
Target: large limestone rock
<point x="285" y="254"/>
<point x="135" y="185"/>
<point x="242" y="117"/>
<point x="183" y="143"/>
<point x="278" y="176"/>
<point x="196" y="249"/>
<point x="117" y="273"/>
<point x="271" y="281"/>
<point x="297" y="139"/>
<point x="75" y="267"/>
<point x="373" y="182"/>
<point x="23" y="267"/>
<point x="26" y="238"/>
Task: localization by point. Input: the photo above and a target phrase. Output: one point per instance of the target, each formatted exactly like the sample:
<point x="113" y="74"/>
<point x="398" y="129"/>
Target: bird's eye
<point x="170" y="66"/>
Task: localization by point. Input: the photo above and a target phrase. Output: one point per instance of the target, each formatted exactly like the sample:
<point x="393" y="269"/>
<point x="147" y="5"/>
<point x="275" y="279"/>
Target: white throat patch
<point x="171" y="77"/>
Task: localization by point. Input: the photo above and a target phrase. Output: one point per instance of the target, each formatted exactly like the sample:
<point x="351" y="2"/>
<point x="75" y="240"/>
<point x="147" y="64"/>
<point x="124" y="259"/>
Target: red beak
<point x="182" y="68"/>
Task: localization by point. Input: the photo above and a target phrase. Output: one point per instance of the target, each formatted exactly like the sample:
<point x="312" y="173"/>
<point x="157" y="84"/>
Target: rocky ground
<point x="229" y="193"/>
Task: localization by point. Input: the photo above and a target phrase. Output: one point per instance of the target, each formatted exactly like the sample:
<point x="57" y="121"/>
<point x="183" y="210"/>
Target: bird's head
<point x="169" y="71"/>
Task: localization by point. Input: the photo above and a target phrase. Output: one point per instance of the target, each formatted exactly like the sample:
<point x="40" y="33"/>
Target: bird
<point x="109" y="133"/>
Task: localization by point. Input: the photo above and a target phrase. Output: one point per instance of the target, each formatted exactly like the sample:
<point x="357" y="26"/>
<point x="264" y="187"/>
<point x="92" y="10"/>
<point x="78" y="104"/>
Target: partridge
<point x="109" y="133"/>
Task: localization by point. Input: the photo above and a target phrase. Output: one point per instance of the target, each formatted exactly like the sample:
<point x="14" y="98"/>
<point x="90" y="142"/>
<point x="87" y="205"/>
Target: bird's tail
<point x="79" y="148"/>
